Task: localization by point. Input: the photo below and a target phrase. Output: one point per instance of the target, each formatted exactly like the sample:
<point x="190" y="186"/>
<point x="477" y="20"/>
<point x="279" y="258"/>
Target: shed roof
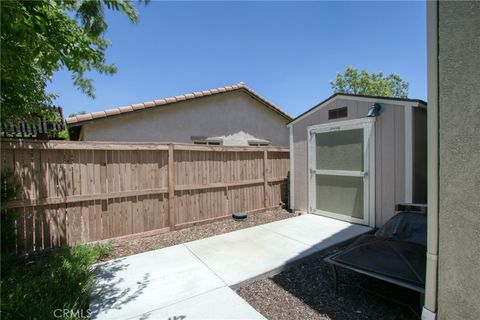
<point x="242" y="87"/>
<point x="340" y="95"/>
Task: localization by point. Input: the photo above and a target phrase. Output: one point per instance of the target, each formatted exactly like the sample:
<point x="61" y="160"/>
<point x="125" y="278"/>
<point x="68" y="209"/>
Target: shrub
<point x="60" y="280"/>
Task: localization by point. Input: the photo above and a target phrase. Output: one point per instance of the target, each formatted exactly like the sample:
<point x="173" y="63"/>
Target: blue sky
<point x="286" y="51"/>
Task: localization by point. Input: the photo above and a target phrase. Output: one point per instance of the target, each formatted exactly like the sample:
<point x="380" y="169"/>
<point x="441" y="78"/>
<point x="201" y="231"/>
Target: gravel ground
<point x="126" y="247"/>
<point x="306" y="292"/>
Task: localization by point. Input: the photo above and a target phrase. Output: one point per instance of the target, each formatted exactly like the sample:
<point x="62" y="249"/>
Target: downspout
<point x="431" y="283"/>
<point x="291" y="200"/>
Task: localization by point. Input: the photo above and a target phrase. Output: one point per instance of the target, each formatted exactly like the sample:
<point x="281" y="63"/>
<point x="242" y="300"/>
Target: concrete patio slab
<point x="221" y="303"/>
<point x="314" y="230"/>
<point x="240" y="255"/>
<point x="147" y="281"/>
<point x="244" y="255"/>
<point x="192" y="280"/>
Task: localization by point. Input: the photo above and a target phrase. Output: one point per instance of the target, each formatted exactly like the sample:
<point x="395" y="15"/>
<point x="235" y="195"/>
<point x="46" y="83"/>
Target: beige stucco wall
<point x="234" y="116"/>
<point x="459" y="160"/>
<point x="389" y="153"/>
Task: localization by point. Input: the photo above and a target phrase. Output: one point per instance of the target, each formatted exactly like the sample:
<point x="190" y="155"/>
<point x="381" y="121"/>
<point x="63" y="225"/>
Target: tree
<point x="77" y="113"/>
<point x="39" y="38"/>
<point x="372" y="84"/>
<point x="64" y="134"/>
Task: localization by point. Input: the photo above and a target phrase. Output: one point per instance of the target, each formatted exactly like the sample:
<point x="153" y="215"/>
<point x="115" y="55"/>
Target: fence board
<point x="77" y="192"/>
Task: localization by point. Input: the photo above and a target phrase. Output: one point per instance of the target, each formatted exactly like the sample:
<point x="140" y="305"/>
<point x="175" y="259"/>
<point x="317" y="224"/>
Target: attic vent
<point x="338" y="113"/>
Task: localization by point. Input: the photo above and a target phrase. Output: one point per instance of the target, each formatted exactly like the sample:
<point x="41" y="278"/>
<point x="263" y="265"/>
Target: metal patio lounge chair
<point x="396" y="253"/>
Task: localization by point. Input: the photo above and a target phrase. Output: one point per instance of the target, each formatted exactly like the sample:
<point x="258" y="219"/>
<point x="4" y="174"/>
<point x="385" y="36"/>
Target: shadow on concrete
<point x="311" y="280"/>
<point x="147" y="315"/>
<point x="108" y="293"/>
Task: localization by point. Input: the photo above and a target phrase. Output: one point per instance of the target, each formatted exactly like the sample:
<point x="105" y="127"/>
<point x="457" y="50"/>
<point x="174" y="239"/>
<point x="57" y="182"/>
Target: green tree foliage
<point x="373" y="84"/>
<point x="64" y="134"/>
<point x="41" y="37"/>
<point x="77" y="113"/>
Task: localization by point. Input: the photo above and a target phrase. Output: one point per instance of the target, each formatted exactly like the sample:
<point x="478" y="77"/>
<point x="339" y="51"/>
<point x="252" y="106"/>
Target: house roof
<point x="83" y="118"/>
<point x="338" y="94"/>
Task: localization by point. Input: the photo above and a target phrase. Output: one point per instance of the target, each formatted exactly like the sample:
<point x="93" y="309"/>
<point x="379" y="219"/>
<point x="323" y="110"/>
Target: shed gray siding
<point x="389" y="152"/>
<point x="235" y="116"/>
<point x="419" y="155"/>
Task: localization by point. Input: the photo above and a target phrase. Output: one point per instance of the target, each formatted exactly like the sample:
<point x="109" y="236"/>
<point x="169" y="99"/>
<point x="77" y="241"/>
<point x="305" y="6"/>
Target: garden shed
<point x="354" y="157"/>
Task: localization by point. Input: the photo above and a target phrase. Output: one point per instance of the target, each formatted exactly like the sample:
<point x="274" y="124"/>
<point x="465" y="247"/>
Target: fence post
<point x="171" y="187"/>
<point x="265" y="178"/>
<point x="224" y="179"/>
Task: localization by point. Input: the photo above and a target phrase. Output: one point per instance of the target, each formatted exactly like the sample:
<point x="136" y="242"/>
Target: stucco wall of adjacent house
<point x="235" y="117"/>
<point x="389" y="153"/>
<point x="459" y="160"/>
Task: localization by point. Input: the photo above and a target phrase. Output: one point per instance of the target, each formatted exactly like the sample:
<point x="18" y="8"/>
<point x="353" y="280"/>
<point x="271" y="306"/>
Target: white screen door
<point x="341" y="167"/>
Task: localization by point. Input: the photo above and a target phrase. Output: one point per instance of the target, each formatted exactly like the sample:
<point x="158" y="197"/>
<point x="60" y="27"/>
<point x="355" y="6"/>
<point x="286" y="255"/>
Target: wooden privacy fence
<point x="77" y="192"/>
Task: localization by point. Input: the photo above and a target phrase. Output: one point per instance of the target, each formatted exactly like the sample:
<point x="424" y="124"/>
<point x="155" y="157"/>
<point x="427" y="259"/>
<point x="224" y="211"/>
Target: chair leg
<point x="335" y="277"/>
<point x="422" y="301"/>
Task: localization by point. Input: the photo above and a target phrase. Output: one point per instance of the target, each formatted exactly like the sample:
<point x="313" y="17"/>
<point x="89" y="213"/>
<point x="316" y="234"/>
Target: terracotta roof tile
<point x="84" y="117"/>
<point x="125" y="109"/>
<point x="149" y="104"/>
<point x="169" y="100"/>
<point x="138" y="106"/>
<point x="99" y="114"/>
<point x="112" y="112"/>
<point x="160" y="102"/>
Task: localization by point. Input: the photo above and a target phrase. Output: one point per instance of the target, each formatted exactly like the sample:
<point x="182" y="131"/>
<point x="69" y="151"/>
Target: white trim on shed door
<point x="291" y="201"/>
<point x="368" y="171"/>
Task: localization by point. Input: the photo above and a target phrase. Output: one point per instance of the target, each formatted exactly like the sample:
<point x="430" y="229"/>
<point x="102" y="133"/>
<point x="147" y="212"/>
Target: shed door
<point x="341" y="165"/>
